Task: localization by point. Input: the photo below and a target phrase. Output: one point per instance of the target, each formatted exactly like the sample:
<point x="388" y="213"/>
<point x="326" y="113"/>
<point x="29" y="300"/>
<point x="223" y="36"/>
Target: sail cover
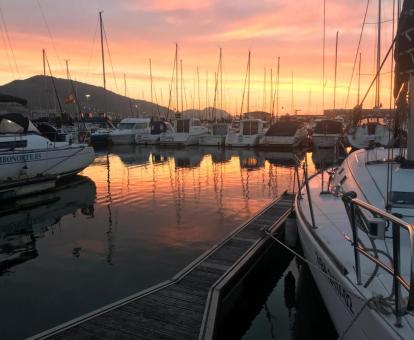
<point x="404" y="46"/>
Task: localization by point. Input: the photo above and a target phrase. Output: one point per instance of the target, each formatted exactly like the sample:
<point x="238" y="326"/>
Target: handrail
<point x="354" y="206"/>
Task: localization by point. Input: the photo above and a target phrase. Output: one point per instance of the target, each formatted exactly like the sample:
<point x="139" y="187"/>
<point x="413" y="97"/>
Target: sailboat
<point x="251" y="130"/>
<point x="372" y="130"/>
<point x="356" y="224"/>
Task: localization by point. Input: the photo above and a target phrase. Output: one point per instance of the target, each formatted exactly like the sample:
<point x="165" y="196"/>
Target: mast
<point x="264" y="90"/>
<point x="181" y="74"/>
<point x="359" y="78"/>
<point x="336" y="69"/>
<point x="410" y="140"/>
<point x="221" y="80"/>
<point x="150" y="66"/>
<point x="176" y="74"/>
<point x="378" y="80"/>
<point x="44" y="62"/>
<point x="103" y="57"/>
<point x="271" y="95"/>
<point x="277" y="87"/>
<point x="198" y="86"/>
<point x="248" y="84"/>
<point x="291" y="97"/>
<point x="323" y="56"/>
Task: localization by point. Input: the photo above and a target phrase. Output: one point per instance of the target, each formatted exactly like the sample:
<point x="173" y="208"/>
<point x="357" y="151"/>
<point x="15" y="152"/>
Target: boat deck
<point x="185" y="307"/>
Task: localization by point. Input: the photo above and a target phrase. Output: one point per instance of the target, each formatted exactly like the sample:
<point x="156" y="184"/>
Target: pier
<point x="196" y="300"/>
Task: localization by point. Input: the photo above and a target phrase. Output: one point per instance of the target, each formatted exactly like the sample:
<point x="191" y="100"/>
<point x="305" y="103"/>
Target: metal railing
<point x="355" y="209"/>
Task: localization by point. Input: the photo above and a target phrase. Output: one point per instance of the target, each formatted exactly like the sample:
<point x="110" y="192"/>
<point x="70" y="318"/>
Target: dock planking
<point x="184" y="307"/>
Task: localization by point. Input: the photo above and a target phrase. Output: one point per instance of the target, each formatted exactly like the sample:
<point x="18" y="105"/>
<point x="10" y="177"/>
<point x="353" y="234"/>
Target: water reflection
<point x="26" y="220"/>
<point x="145" y="213"/>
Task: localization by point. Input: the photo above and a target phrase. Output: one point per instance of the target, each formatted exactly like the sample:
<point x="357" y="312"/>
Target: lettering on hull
<point x="28" y="157"/>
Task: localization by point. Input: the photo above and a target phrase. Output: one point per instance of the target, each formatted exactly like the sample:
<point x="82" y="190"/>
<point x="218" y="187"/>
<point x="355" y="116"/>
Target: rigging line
<point x="379" y="71"/>
<point x="357" y="52"/>
<point x="244" y="89"/>
<point x="92" y="50"/>
<point x="110" y="58"/>
<point x="6" y="51"/>
<point x="53" y="83"/>
<point x="9" y="41"/>
<point x="49" y="33"/>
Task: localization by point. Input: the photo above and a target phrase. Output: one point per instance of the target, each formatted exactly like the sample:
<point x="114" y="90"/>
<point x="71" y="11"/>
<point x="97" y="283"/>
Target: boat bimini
<point x="128" y="128"/>
<point x="217" y="135"/>
<point x="288" y="134"/>
<point x="28" y="157"/>
<point x="187" y="131"/>
<point x="251" y="130"/>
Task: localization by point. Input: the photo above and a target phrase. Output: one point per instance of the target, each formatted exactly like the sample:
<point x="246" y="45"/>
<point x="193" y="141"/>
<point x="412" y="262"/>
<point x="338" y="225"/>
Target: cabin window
<point x="250" y="128"/>
<point x="126" y="126"/>
<point x="140" y="125"/>
<point x="13" y="144"/>
<point x="183" y="126"/>
<point x="402" y="198"/>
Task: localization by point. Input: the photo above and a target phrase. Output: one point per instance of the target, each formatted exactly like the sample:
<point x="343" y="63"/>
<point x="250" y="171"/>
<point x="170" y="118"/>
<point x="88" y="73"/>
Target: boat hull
<point x="238" y="140"/>
<point x="340" y="296"/>
<point x="212" y="140"/>
<point x="325" y="141"/>
<point x="19" y="166"/>
<point x="179" y="139"/>
<point x="122" y="139"/>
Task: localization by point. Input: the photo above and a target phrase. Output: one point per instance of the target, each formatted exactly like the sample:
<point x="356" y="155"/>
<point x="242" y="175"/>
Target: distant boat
<point x="187" y="131"/>
<point x="128" y="129"/>
<point x="100" y="129"/>
<point x="217" y="135"/>
<point x="285" y="134"/>
<point x="152" y="137"/>
<point x="27" y="158"/>
<point x="251" y="130"/>
<point x="369" y="132"/>
<point x="327" y="133"/>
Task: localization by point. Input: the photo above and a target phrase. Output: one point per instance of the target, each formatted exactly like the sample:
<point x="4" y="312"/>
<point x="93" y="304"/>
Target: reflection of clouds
<point x="180" y="193"/>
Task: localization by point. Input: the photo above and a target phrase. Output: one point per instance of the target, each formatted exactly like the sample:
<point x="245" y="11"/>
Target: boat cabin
<point x="328" y="127"/>
<point x="284" y="128"/>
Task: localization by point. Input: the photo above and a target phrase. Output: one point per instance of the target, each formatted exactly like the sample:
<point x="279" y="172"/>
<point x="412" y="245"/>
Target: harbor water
<point x="131" y="220"/>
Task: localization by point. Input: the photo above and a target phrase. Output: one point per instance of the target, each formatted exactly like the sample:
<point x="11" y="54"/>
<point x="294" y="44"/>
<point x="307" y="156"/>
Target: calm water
<point x="134" y="218"/>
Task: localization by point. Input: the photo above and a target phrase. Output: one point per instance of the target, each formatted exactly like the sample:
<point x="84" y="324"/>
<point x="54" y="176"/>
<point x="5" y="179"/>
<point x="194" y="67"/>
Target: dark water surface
<point x="134" y="218"/>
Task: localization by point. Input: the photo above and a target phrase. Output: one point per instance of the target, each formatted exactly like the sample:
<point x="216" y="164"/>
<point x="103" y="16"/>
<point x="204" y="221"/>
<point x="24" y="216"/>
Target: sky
<point x="139" y="30"/>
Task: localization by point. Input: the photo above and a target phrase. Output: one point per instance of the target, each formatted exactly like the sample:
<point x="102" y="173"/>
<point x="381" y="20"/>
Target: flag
<point x="404" y="46"/>
<point x="70" y="99"/>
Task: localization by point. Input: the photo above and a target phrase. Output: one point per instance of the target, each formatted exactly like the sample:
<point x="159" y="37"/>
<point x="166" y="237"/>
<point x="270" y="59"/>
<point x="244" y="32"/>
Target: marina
<point x="207" y="198"/>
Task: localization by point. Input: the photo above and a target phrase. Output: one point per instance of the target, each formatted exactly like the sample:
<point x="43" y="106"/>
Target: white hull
<point x="123" y="139"/>
<point x="212" y="140"/>
<point x="361" y="139"/>
<point x="341" y="299"/>
<point x="27" y="164"/>
<point x="325" y="141"/>
<point x="239" y="140"/>
<point x="282" y="141"/>
<point x="147" y="139"/>
<point x="180" y="139"/>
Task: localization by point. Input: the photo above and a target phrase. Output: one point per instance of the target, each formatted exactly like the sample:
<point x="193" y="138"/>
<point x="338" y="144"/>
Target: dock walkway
<point x="185" y="307"/>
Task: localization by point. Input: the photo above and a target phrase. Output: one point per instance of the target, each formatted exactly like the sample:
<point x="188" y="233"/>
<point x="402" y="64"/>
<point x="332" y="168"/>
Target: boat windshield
<point x="183" y="125"/>
<point x="7" y="126"/>
<point x="402" y="198"/>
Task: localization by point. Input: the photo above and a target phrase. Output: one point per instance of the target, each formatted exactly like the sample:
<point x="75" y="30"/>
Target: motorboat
<point x="100" y="129"/>
<point x="217" y="135"/>
<point x="251" y="130"/>
<point x="152" y="137"/>
<point x="287" y="134"/>
<point x="187" y="131"/>
<point x="128" y="129"/>
<point x="327" y="133"/>
<point x="369" y="132"/>
<point x="30" y="162"/>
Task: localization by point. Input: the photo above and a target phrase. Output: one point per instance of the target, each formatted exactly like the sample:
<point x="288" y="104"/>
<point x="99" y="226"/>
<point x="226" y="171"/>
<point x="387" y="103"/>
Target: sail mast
<point x="103" y="57"/>
<point x="336" y="69"/>
<point x="277" y="87"/>
<point x="150" y="66"/>
<point x="176" y="76"/>
<point x="248" y="84"/>
<point x="359" y="78"/>
<point x="323" y="56"/>
<point x="378" y="80"/>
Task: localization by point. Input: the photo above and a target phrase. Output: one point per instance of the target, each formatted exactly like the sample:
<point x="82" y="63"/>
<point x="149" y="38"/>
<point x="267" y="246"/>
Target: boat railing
<point x="375" y="228"/>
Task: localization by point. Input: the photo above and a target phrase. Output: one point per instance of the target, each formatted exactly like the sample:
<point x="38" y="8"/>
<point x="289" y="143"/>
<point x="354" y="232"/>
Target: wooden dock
<point x="189" y="305"/>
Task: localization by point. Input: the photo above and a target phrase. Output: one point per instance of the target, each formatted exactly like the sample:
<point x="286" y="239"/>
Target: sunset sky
<point x="141" y="29"/>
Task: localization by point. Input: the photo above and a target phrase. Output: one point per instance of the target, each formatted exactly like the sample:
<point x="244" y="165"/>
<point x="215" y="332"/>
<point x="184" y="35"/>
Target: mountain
<point x="39" y="93"/>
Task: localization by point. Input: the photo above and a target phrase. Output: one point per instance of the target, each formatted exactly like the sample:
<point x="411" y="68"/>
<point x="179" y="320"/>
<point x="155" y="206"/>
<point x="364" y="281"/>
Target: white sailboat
<point x="187" y="131"/>
<point x="369" y="132"/>
<point x="31" y="162"/>
<point x="152" y="137"/>
<point x="217" y="135"/>
<point x="251" y="130"/>
<point x="357" y="230"/>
